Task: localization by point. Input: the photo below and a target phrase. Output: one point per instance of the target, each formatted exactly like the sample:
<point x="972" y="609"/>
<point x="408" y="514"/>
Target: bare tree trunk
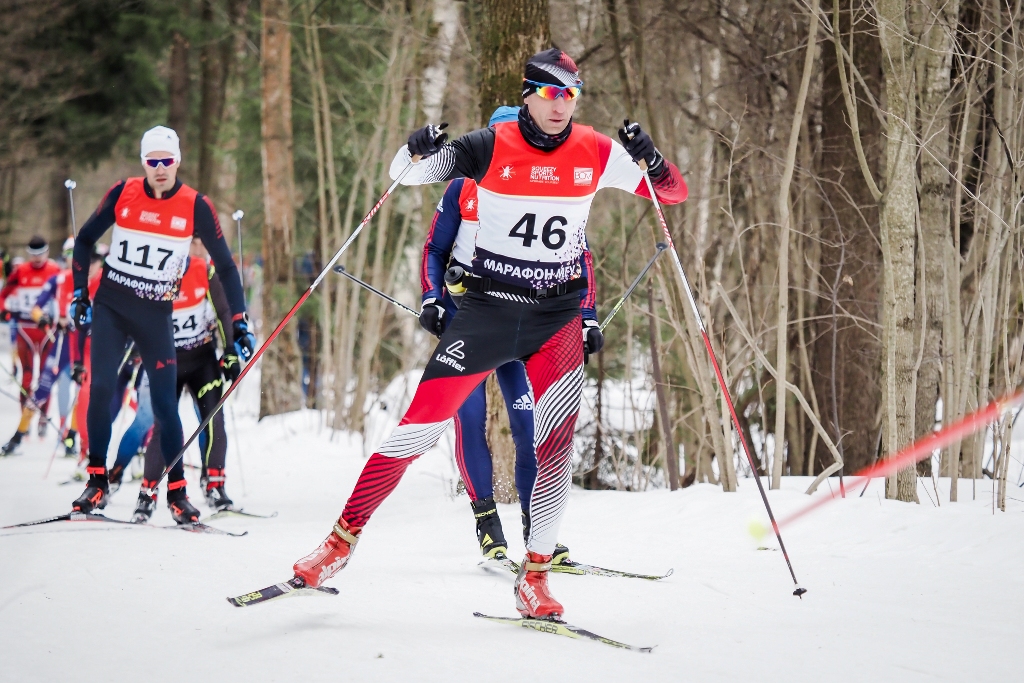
<point x="671" y="456"/>
<point x="281" y="383"/>
<point x="499" y="441"/>
<point x="898" y="219"/>
<point x="510" y="32"/>
<point x="179" y="88"/>
<point x="782" y="214"/>
<point x="939" y="19"/>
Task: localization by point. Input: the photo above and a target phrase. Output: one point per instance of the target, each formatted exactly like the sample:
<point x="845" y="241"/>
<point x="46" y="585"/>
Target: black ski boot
<point x="561" y="554"/>
<point x="488" y="528"/>
<point x="181" y="509"/>
<point x="11" y="446"/>
<point x="95" y="495"/>
<point x="213" y="488"/>
<point x="147" y="502"/>
<point x="114" y="478"/>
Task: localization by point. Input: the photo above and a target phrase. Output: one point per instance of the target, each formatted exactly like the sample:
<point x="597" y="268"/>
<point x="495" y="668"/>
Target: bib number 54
<point x="551" y="235"/>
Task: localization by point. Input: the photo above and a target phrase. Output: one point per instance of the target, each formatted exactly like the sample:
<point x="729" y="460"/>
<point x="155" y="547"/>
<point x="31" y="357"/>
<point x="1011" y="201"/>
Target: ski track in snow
<point x="897" y="592"/>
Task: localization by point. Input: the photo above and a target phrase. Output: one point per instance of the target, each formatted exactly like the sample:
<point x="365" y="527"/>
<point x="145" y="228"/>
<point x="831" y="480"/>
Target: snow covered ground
<point x="897" y="592"/>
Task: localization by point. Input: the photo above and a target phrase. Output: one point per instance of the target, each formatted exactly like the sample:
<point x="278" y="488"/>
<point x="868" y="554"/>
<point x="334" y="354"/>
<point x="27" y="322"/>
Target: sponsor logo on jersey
<point x="544" y="174"/>
<point x="583" y="176"/>
<point x="470" y="203"/>
<point x="149" y="217"/>
<point x="449" y="361"/>
<point x="124" y="212"/>
<point x="199" y="292"/>
<point x="561" y="274"/>
<point x="455" y="350"/>
<point x="179" y="223"/>
<point x="523" y="403"/>
<point x="440" y="206"/>
<point x="507" y="173"/>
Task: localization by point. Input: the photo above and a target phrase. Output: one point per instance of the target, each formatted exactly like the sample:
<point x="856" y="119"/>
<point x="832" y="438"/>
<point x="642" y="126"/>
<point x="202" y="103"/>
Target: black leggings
<point x="116" y="317"/>
<point x="198" y="370"/>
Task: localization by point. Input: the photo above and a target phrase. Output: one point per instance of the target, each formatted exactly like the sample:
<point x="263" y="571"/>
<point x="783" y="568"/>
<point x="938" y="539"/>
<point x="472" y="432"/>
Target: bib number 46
<point x="552" y="234"/>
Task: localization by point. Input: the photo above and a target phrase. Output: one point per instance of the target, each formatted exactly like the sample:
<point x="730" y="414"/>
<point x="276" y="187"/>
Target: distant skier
<point x="201" y="312"/>
<point x="33" y="340"/>
<point x="154" y="219"/>
<point x="450" y="242"/>
<point x="536" y="180"/>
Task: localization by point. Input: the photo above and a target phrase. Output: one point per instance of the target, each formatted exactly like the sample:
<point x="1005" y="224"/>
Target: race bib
<point x="148" y="263"/>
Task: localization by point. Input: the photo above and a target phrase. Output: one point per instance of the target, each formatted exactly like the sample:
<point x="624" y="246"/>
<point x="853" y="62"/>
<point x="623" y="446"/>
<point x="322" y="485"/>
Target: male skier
<point x="154" y="219"/>
<point x="536" y="180"/>
<point x="450" y="242"/>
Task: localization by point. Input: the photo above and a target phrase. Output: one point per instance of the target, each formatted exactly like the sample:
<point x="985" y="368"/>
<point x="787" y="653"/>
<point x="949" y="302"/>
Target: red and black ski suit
<point x="533" y="207"/>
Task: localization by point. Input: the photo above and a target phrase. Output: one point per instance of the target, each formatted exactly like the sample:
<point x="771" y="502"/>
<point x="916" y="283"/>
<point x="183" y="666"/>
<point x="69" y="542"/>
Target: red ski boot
<point x="533" y="599"/>
<point x="331" y="557"/>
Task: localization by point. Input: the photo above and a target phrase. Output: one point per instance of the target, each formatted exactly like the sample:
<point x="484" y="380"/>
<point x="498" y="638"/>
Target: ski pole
<point x="28" y="397"/>
<point x="288" y="316"/>
<point x="661" y="247"/>
<point x="63" y="440"/>
<point x="340" y="269"/>
<point x="71" y="185"/>
<point x="238" y="215"/>
<point x="718" y="370"/>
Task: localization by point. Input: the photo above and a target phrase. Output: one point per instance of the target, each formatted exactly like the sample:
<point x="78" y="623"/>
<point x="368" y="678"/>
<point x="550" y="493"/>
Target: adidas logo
<point x="523" y="403"/>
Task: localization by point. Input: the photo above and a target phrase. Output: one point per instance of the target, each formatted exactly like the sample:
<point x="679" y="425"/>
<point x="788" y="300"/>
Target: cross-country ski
<point x="719" y="342"/>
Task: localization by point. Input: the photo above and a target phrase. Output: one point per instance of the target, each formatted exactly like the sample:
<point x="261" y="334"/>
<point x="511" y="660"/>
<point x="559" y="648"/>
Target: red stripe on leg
<point x="439" y="399"/>
<point x="559" y="355"/>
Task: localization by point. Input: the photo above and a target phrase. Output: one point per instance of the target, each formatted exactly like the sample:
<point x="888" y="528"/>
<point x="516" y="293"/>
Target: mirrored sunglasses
<point x="548" y="91"/>
<point x="153" y="163"/>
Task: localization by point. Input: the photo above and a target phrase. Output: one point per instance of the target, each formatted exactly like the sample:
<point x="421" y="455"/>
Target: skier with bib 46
<point x="536" y="179"/>
<point x="154" y="219"/>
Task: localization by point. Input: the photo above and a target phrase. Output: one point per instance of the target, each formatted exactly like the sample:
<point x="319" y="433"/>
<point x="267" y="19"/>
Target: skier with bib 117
<point x="536" y="180"/>
<point x="154" y="219"/>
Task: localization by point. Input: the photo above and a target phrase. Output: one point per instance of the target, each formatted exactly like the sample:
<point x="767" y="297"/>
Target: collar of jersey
<point x="167" y="195"/>
<point x="536" y="137"/>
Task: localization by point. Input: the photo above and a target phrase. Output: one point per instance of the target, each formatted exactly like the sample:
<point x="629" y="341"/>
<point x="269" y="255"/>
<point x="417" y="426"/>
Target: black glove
<point x="245" y="341"/>
<point x="6" y="315"/>
<point x="45" y="322"/>
<point x="427" y="140"/>
<point x="432" y="317"/>
<point x="81" y="308"/>
<point x="78" y="372"/>
<point x="641" y="148"/>
<point x="593" y="338"/>
<point x="230" y="366"/>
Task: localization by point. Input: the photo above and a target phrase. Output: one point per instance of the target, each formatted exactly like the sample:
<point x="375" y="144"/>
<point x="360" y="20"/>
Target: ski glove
<point x="641" y="148"/>
<point x="81" y="308"/>
<point x="432" y="317"/>
<point x="427" y="140"/>
<point x="245" y="341"/>
<point x="230" y="366"/>
<point x="593" y="338"/>
<point x="6" y="316"/>
<point x="78" y="372"/>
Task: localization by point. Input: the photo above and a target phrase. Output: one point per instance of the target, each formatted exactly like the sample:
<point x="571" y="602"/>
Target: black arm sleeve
<point x="99" y="222"/>
<point x="473" y="152"/>
<point x="220" y="304"/>
<point x="207" y="228"/>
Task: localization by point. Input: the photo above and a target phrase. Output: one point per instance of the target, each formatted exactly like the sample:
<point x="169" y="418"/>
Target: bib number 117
<point x="552" y="234"/>
<point x="144" y="261"/>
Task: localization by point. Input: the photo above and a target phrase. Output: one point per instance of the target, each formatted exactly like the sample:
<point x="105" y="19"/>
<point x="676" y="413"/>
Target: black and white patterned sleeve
<point x="467" y="157"/>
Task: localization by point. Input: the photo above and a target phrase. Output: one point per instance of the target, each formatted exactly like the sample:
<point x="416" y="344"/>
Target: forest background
<point x="853" y="231"/>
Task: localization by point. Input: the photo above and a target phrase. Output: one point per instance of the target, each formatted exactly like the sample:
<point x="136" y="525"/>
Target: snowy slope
<point x="897" y="592"/>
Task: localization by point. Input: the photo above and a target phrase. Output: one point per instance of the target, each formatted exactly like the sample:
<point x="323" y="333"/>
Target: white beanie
<point x="161" y="139"/>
